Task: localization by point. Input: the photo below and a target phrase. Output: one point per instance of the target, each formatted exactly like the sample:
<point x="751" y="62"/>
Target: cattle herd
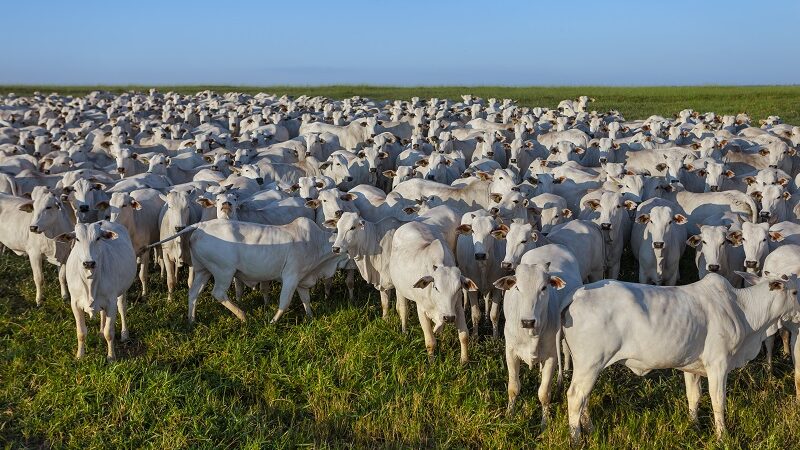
<point x="519" y="215"/>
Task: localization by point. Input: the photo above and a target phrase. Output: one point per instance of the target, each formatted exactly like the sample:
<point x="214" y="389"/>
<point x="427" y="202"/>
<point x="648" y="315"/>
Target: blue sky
<point x="405" y="42"/>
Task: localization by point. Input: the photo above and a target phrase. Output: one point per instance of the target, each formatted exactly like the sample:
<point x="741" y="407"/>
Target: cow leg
<point x="169" y="265"/>
<point x="108" y="330"/>
<point x="463" y="333"/>
<point x="191" y="276"/>
<point x="384" y="303"/>
<point x="122" y="308"/>
<point x="548" y="369"/>
<point x="238" y="286"/>
<point x="475" y="310"/>
<point x="38" y="276"/>
<point x="264" y="285"/>
<point x="305" y="297"/>
<point x="159" y="255"/>
<point x="402" y="310"/>
<point x="327" y="284"/>
<point x="785" y="337"/>
<point x="198" y="283"/>
<point x="583" y="380"/>
<point x="144" y="267"/>
<point x="769" y="344"/>
<point x="222" y="281"/>
<point x="693" y="392"/>
<point x="62" y="281"/>
<point x="796" y="361"/>
<point x="427" y="330"/>
<point x="494" y="316"/>
<point x="717" y="381"/>
<point x="80" y="325"/>
<point x="349" y="281"/>
<point x="287" y="292"/>
<point x="513" y="364"/>
<point x="567" y="355"/>
<point x="102" y="321"/>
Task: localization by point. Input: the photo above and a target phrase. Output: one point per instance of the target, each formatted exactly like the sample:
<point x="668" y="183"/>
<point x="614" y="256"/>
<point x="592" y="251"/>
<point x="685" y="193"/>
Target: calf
<point x="658" y="241"/>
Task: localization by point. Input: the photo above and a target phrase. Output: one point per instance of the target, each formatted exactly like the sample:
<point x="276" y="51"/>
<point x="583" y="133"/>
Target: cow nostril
<point x="673" y="181"/>
<point x="121" y="169"/>
<point x="349" y="178"/>
<point x="658" y="245"/>
<point x="603" y="160"/>
<point x="713" y="268"/>
<point x="373" y="170"/>
<point x="480" y="256"/>
<point x="449" y="319"/>
<point x="773" y="166"/>
<point x="33" y="228"/>
<point x="714" y="188"/>
<point x="214" y="167"/>
<point x="513" y="160"/>
<point x="751" y="264"/>
<point x="89" y="264"/>
<point x="505" y="265"/>
<point x="336" y="250"/>
<point x="494" y="211"/>
<point x="528" y="323"/>
<point x="605" y="226"/>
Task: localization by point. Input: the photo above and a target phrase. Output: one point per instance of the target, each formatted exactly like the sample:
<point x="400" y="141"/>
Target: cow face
<point x="443" y="293"/>
<point x="349" y="228"/>
<point x="520" y="237"/>
<point x="658" y="224"/>
<point x="530" y="288"/>
<point x="712" y="243"/>
<point x="479" y="230"/>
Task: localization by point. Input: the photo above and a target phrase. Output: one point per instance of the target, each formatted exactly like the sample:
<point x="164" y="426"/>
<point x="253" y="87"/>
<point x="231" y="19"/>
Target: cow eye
<point x="353" y="227"/>
<point x="619" y="206"/>
<point x="49" y="207"/>
<point x="703" y="242"/>
<point x="524" y="241"/>
<point x="765" y="240"/>
<point x="544" y="288"/>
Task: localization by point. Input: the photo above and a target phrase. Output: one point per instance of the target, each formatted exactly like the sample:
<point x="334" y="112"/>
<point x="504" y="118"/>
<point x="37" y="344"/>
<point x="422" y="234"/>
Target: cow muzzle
<point x="34" y="229"/>
<point x="605" y="226"/>
<point x="751" y="264"/>
<point x="713" y="268"/>
<point x="528" y="323"/>
<point x="480" y="256"/>
<point x="506" y="265"/>
<point x="83" y="208"/>
<point x="603" y="160"/>
<point x="764" y="215"/>
<point x="714" y="188"/>
<point x="89" y="265"/>
<point x="449" y="319"/>
<point x="373" y="170"/>
<point x="658" y="245"/>
<point x="336" y="250"/>
<point x="179" y="228"/>
<point x="260" y="180"/>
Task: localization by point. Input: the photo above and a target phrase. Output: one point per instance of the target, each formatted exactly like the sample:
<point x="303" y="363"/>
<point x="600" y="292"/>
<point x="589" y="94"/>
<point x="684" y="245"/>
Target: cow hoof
<point x="124" y="336"/>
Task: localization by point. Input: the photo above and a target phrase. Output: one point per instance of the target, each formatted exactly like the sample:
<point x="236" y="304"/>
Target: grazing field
<point x="348" y="378"/>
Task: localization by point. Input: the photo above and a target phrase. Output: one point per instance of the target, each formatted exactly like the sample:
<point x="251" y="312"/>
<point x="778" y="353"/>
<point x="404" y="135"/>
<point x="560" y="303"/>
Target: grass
<point x="347" y="378"/>
<point x="632" y="102"/>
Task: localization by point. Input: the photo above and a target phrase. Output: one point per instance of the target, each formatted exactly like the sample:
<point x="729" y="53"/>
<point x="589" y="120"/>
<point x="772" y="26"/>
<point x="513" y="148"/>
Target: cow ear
<point x="592" y="204"/>
<point x="410" y="210"/>
<point x="730" y="174"/>
<point x="101" y="206"/>
<point x="108" y="234"/>
<point x="505" y="283"/>
<point x="787" y="196"/>
<point x="383" y="155"/>
<point x="702" y="172"/>
<point x="763" y="152"/>
<point x="325" y="165"/>
<point x="557" y="282"/>
<point x="775" y="285"/>
<point x="500" y="233"/>
<point x="749" y="278"/>
<point x="136" y="205"/>
<point x="749" y="180"/>
<point x="776" y="236"/>
<point x="468" y="284"/>
<point x="66" y="237"/>
<point x="680" y="219"/>
<point x="348" y="197"/>
<point x="735" y="238"/>
<point x="208" y="158"/>
<point x="630" y="205"/>
<point x="313" y="204"/>
<point x="204" y="202"/>
<point x="783" y="181"/>
<point x="660" y="167"/>
<point x="791" y="151"/>
<point x="464" y="229"/>
<point x="361" y="154"/>
<point x="644" y="218"/>
<point x="293" y="187"/>
<point x="694" y="241"/>
<point x="389" y="173"/>
<point x="496" y="197"/>
<point x="566" y="212"/>
<point x="330" y="223"/>
<point x="27" y="207"/>
<point x="579" y="150"/>
<point x="235" y="170"/>
<point x="319" y="185"/>
<point x="423" y="282"/>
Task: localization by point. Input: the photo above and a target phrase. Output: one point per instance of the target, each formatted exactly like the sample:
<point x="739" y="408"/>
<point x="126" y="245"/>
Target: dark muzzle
<point x="528" y="323"/>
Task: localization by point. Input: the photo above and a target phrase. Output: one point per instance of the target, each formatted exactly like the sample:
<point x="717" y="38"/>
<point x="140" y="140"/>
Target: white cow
<point x="100" y="269"/>
<point x="707" y="328"/>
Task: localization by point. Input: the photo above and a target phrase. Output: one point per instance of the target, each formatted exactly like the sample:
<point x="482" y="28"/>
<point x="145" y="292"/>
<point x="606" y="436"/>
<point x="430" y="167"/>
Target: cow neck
<point x="759" y="309"/>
